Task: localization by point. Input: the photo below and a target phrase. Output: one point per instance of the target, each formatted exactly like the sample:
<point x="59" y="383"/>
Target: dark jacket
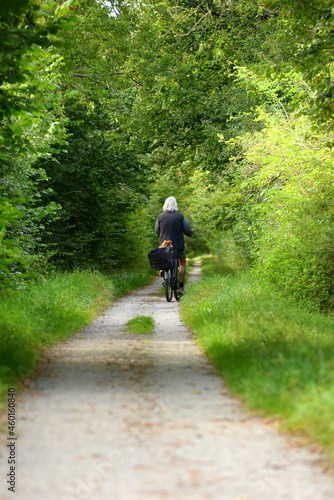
<point x="172" y="226"/>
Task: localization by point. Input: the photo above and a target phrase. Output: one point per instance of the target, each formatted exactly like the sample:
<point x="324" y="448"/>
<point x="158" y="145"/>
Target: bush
<point x="291" y="184"/>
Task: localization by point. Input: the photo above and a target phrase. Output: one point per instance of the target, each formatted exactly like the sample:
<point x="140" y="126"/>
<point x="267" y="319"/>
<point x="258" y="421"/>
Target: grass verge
<point x="141" y="324"/>
<point x="274" y="354"/>
<point x="50" y="310"/>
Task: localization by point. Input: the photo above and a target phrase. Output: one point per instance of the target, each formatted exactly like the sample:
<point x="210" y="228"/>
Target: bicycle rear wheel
<point x="168" y="286"/>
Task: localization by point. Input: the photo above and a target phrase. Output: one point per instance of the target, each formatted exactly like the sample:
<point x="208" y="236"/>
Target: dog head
<point x="166" y="243"/>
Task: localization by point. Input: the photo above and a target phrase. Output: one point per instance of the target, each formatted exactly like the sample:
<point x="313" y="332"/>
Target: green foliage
<point x="99" y="179"/>
<point x="32" y="121"/>
<point x="22" y="254"/>
<point x="106" y="115"/>
<point x="99" y="185"/>
<point x="27" y="28"/>
<point x="289" y="181"/>
<point x="275" y="355"/>
<point x="305" y="37"/>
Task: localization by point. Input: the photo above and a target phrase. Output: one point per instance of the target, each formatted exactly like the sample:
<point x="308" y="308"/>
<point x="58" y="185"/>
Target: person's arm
<point x="157" y="227"/>
<point x="186" y="228"/>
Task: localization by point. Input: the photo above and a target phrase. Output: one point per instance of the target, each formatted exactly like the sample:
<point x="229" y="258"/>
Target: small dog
<point x="166" y="244"/>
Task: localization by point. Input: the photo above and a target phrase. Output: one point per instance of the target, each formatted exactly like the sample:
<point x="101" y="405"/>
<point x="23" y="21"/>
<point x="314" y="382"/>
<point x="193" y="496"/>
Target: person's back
<point x="172" y="225"/>
<point x="171" y="228"/>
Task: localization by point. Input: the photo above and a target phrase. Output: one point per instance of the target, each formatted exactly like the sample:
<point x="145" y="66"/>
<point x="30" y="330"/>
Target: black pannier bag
<point x="160" y="259"/>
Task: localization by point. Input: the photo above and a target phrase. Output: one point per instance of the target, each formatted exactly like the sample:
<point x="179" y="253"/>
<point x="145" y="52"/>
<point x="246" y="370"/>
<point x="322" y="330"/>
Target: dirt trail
<point x="125" y="417"/>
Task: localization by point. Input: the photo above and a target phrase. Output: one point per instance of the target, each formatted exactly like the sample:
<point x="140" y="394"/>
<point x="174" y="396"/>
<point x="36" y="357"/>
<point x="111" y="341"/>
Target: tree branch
<point x="80" y="75"/>
<point x="135" y="81"/>
<point x="270" y="12"/>
<point x="122" y="72"/>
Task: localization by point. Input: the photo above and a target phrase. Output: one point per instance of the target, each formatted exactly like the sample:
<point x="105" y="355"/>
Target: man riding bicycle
<point x="172" y="225"/>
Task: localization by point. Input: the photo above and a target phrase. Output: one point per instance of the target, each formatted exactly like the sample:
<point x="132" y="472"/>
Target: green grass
<point x="215" y="264"/>
<point x="50" y="310"/>
<point x="141" y="324"/>
<point x="274" y="354"/>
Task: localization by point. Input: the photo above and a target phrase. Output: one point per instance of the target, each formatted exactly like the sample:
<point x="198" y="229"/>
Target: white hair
<point x="170" y="204"/>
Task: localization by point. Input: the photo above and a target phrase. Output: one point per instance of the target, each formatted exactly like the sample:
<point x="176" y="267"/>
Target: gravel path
<point x="128" y="417"/>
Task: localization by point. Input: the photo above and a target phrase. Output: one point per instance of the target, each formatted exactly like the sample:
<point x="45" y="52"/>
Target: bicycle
<point x="163" y="260"/>
<point x="171" y="280"/>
